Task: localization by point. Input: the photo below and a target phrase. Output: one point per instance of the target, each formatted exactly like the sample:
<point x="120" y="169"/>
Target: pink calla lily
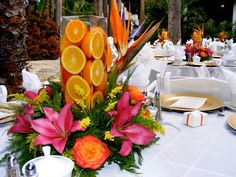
<point x="22" y="123"/>
<point x="124" y="128"/>
<point x="56" y="127"/>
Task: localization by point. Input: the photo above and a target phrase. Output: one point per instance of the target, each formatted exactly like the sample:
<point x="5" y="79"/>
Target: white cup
<point x="196" y="59"/>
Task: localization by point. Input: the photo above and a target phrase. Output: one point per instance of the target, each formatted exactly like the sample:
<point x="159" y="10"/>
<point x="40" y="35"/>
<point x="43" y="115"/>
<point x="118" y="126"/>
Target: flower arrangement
<point x="198" y="35"/>
<point x="196" y="49"/>
<point x="112" y="131"/>
<point x="164" y="35"/>
<point x="222" y="36"/>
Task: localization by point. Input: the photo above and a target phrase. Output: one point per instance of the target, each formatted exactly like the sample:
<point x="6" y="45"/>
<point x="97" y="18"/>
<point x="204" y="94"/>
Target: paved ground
<point x="45" y="69"/>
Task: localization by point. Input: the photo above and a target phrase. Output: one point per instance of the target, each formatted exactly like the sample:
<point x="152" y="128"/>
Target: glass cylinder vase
<point x="84" y="59"/>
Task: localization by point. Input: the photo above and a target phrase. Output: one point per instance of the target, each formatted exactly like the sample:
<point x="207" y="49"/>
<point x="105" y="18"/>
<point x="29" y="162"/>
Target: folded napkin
<point x="31" y="81"/>
<point x="189" y="42"/>
<point x="3" y="94"/>
<point x="179" y="53"/>
<point x="206" y="42"/>
<point x="229" y="58"/>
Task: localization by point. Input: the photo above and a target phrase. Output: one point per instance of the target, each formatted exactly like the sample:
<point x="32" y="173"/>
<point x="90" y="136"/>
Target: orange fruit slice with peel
<point x="74" y="82"/>
<point x="68" y="99"/>
<point x="75" y="30"/>
<point x="64" y="42"/>
<point x="93" y="44"/>
<point x="86" y="72"/>
<point x="97" y="72"/>
<point x="96" y="97"/>
<point x="73" y="59"/>
<point x="94" y="28"/>
<point x="103" y="85"/>
<point x="65" y="75"/>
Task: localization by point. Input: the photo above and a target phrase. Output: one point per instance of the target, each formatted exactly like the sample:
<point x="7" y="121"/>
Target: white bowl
<point x="51" y="165"/>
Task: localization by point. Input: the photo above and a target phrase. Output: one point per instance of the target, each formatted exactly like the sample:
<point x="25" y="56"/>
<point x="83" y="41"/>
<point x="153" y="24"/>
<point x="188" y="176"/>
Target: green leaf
<point x="41" y="5"/>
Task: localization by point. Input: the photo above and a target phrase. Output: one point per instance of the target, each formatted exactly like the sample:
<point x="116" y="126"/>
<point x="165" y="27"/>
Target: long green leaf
<point x="41" y="5"/>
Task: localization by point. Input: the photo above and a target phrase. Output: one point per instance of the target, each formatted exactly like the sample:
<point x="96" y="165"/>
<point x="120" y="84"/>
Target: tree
<point x="174" y="20"/>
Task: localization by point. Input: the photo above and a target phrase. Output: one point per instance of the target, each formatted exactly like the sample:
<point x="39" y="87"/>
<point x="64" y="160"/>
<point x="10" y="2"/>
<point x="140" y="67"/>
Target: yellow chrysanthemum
<point x="79" y="90"/>
<point x="30" y="139"/>
<point x="85" y="122"/>
<point x="115" y="91"/>
<point x="42" y="96"/>
<point x="80" y="103"/>
<point x="111" y="106"/>
<point x="108" y="136"/>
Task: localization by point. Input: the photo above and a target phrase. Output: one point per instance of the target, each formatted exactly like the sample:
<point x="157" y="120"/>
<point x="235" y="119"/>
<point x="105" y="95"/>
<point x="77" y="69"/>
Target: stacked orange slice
<point x="82" y="66"/>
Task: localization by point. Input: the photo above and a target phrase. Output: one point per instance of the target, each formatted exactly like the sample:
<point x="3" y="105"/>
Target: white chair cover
<point x="209" y="86"/>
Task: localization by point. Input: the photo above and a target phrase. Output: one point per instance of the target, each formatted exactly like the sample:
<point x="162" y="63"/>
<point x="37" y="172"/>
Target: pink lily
<point x="32" y="95"/>
<point x="56" y="127"/>
<point x="22" y="123"/>
<point x="124" y="128"/>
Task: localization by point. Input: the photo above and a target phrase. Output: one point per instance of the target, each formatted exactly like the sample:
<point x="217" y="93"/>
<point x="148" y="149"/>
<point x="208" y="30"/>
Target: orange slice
<point x="96" y="97"/>
<point x="75" y="30"/>
<point x="93" y="44"/>
<point x="103" y="85"/>
<point x="68" y="99"/>
<point x="64" y="42"/>
<point x="77" y="81"/>
<point x="73" y="59"/>
<point x="97" y="72"/>
<point x="86" y="71"/>
<point x="103" y="33"/>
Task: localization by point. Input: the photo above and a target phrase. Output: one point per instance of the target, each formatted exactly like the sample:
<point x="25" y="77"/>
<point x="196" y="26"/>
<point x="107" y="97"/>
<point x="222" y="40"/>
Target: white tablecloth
<point x="208" y="151"/>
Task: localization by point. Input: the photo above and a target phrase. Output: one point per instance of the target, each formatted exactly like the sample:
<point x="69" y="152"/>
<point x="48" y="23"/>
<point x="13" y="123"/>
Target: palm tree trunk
<point x="174" y="20"/>
<point x="13" y="53"/>
<point x="58" y="12"/>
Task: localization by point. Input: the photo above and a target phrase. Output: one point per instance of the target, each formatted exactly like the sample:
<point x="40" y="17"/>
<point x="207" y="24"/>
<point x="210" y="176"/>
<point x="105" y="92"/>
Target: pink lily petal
<point x="48" y="90"/>
<point x="126" y="111"/>
<point x="30" y="94"/>
<point x="59" y="144"/>
<point x="20" y="129"/>
<point x="65" y="118"/>
<point x="43" y="140"/>
<point x="76" y="126"/>
<point x="22" y="123"/>
<point x="114" y="131"/>
<point x="50" y="114"/>
<point x="44" y="127"/>
<point x="138" y="134"/>
<point x="126" y="148"/>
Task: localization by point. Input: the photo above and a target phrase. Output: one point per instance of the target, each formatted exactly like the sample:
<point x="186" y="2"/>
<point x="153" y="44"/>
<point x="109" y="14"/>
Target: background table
<point x="207" y="151"/>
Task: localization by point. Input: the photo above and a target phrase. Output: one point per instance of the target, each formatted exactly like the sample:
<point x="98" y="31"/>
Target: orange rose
<point x="135" y="94"/>
<point x="90" y="152"/>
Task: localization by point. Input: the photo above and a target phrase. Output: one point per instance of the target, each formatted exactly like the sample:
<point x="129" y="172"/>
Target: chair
<point x="209" y="86"/>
